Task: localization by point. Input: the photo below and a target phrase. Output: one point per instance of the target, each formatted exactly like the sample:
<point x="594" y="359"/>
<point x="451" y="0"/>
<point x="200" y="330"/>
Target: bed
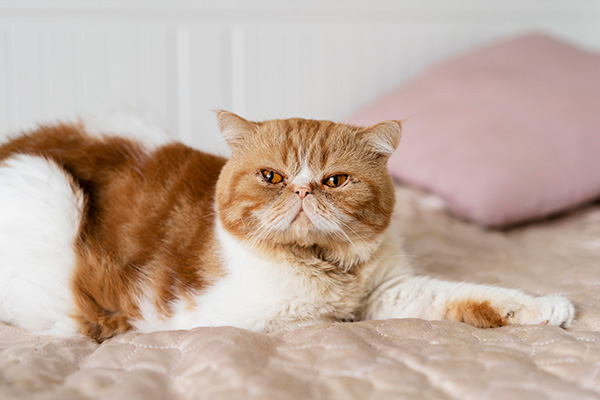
<point x="63" y="58"/>
<point x="405" y="358"/>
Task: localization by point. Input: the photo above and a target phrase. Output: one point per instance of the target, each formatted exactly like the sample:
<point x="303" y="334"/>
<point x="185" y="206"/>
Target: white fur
<point x="386" y="137"/>
<point x="394" y="291"/>
<point x="256" y="294"/>
<point x="259" y="294"/>
<point x="39" y="219"/>
<point x="305" y="177"/>
<point x="402" y="295"/>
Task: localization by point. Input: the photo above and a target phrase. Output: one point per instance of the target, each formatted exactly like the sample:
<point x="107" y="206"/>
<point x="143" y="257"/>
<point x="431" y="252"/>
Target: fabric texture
<point x="504" y="134"/>
<point x="408" y="358"/>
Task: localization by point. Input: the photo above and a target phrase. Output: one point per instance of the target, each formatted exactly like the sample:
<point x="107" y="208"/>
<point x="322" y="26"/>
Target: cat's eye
<point x="335" y="180"/>
<point x="271" y="176"/>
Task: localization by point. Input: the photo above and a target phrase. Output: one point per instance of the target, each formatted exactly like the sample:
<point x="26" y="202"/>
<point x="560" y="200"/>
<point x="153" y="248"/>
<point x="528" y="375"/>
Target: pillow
<point x="504" y="134"/>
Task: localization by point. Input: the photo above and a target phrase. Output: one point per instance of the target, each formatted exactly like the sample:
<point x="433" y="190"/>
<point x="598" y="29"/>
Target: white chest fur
<point x="259" y="294"/>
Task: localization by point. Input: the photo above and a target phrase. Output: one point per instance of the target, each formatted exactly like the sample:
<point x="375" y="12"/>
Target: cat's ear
<point x="384" y="137"/>
<point x="233" y="128"/>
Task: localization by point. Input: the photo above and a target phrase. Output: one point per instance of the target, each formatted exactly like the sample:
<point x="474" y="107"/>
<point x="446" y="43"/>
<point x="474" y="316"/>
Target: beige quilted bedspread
<point x="368" y="360"/>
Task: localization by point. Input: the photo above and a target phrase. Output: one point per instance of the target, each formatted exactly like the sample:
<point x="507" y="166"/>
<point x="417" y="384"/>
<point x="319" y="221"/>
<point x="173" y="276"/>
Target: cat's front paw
<point x="513" y="308"/>
<point x="546" y="310"/>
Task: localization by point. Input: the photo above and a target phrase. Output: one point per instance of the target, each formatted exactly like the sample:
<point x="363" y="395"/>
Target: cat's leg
<point x="40" y="210"/>
<point x="482" y="306"/>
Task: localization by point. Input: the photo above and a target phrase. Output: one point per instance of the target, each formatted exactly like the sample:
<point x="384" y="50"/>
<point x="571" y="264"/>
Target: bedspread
<point x="390" y="359"/>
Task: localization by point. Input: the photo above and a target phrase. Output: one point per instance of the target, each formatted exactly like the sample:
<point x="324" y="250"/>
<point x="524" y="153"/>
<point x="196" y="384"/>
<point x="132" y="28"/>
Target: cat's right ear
<point x="384" y="137"/>
<point x="234" y="128"/>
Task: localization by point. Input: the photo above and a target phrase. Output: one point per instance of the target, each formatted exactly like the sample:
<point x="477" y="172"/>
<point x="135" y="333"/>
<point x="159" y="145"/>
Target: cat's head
<point x="307" y="183"/>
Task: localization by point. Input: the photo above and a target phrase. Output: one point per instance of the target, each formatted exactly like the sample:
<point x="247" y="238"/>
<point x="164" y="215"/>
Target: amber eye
<point x="271" y="176"/>
<point x="335" y="180"/>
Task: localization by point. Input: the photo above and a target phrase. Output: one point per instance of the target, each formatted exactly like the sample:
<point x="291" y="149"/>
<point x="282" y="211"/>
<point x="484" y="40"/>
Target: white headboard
<point x="172" y="61"/>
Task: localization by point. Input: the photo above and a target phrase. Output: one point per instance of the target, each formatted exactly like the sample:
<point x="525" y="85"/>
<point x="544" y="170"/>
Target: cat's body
<point x="101" y="234"/>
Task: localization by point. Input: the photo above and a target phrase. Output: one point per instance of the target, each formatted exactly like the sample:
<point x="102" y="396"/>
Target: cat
<point x="101" y="234"/>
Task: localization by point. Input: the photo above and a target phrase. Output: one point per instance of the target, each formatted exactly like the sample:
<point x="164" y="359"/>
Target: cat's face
<point x="305" y="182"/>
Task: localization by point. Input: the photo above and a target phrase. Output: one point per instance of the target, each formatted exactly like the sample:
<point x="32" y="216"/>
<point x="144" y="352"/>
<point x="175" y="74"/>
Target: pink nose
<point x="302" y="191"/>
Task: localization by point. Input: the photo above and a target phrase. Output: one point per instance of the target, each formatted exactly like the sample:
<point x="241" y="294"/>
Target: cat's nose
<point x="302" y="190"/>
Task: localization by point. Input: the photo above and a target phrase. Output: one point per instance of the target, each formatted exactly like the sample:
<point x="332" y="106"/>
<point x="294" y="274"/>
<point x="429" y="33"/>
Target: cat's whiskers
<point x="329" y="227"/>
<point x="259" y="232"/>
<point x="204" y="216"/>
<point x="254" y="235"/>
<point x="353" y="231"/>
<point x="403" y="255"/>
<point x="415" y="256"/>
<point x="340" y="233"/>
<point x="343" y="235"/>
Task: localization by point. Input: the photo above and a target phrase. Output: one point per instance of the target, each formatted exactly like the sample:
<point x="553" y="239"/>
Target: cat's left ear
<point x="384" y="137"/>
<point x="234" y="128"/>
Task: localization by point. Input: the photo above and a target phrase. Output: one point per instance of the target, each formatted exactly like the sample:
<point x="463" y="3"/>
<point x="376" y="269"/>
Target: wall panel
<point x="173" y="62"/>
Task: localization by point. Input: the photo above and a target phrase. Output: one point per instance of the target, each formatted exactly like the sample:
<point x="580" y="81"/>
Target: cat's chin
<point x="302" y="220"/>
<point x="302" y="230"/>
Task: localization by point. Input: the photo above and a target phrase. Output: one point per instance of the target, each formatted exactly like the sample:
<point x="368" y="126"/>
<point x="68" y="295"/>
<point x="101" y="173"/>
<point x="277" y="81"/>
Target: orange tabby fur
<point x="174" y="238"/>
<point x="480" y="314"/>
<point x="143" y="214"/>
<point x="319" y="144"/>
<point x="148" y="217"/>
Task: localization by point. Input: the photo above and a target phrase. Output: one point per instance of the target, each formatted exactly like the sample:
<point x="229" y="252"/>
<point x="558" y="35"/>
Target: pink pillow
<point x="504" y="134"/>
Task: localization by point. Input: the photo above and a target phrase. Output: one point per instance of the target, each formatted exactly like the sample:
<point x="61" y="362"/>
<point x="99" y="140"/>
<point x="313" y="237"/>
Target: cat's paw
<point x="546" y="310"/>
<point x="513" y="308"/>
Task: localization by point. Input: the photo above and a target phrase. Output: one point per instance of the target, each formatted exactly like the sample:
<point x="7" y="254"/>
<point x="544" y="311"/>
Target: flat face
<point x="305" y="182"/>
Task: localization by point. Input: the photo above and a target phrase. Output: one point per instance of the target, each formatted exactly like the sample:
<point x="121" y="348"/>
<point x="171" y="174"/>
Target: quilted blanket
<point x="389" y="359"/>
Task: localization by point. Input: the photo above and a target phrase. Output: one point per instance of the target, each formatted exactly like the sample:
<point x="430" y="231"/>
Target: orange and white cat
<point x="100" y="234"/>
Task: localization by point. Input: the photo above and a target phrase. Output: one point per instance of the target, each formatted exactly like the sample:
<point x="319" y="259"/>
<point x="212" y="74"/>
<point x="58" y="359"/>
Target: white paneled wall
<point x="173" y="61"/>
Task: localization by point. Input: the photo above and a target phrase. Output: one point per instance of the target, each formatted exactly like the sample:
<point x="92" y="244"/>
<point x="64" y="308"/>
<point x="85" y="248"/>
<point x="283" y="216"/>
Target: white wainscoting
<point x="173" y="61"/>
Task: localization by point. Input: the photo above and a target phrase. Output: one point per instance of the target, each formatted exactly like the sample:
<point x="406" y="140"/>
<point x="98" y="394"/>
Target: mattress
<point x="391" y="359"/>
